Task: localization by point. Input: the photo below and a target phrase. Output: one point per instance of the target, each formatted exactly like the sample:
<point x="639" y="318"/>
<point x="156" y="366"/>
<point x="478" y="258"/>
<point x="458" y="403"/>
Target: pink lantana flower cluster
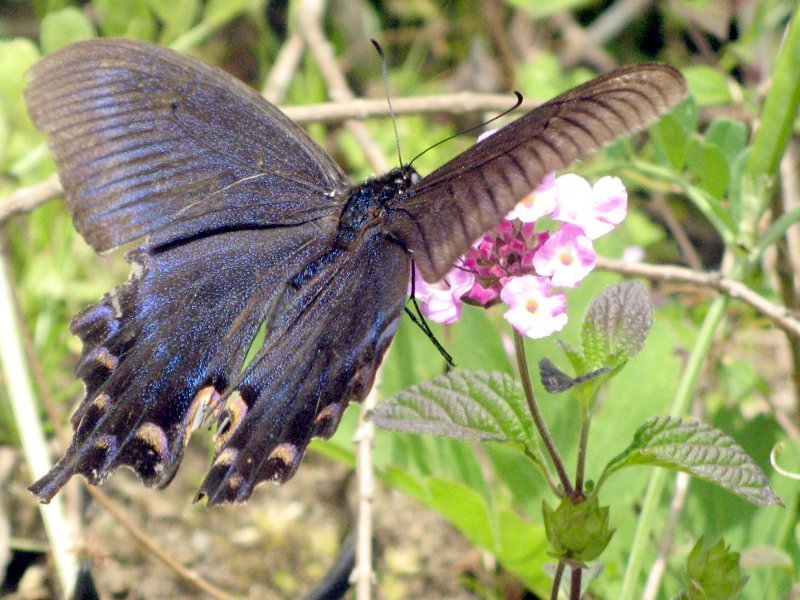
<point x="521" y="262"/>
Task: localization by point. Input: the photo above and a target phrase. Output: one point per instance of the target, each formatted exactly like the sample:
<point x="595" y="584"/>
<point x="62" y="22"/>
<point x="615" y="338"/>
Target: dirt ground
<point x="279" y="545"/>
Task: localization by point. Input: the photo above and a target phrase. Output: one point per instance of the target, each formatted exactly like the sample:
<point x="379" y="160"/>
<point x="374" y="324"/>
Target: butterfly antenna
<point x="478" y="126"/>
<point x="385" y="73"/>
<point x="420" y="321"/>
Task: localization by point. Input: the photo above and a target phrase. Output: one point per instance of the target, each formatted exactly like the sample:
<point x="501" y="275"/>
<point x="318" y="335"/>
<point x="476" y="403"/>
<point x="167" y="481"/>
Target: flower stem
<point x="558" y="463"/>
<point x="557" y="580"/>
<point x="583" y="445"/>
<point x="575" y="583"/>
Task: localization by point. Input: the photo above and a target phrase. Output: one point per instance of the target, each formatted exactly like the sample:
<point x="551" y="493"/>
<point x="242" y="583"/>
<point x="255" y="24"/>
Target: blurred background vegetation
<point x="692" y="204"/>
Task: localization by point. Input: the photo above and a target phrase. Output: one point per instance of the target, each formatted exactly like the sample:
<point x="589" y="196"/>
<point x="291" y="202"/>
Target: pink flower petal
<point x="441" y="302"/>
<point x="533" y="311"/>
<point x="597" y="210"/>
<point x="567" y="257"/>
<point x="537" y="204"/>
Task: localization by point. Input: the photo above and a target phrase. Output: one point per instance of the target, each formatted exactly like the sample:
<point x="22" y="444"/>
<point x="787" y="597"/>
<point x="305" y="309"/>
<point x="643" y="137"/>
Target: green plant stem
<point x="658" y="478"/>
<point x="779" y="111"/>
<point x="583" y="446"/>
<point x="547" y="438"/>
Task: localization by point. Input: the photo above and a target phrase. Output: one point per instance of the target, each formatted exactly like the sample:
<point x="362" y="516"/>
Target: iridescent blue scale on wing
<point x="248" y="223"/>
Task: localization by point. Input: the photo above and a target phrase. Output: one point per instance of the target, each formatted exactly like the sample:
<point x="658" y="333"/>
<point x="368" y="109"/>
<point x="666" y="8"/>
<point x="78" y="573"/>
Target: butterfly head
<point x="366" y="204"/>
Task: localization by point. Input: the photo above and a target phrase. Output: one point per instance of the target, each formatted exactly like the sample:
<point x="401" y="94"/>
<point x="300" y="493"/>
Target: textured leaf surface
<point x="616" y="325"/>
<point x="466" y="405"/>
<point x="700" y="450"/>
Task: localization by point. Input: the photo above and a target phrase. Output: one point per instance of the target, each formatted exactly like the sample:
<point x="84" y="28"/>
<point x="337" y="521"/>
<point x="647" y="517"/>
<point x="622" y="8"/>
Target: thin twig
<point x="23" y="406"/>
<point x="366" y="108"/>
<point x="284" y="68"/>
<point x="778" y="314"/>
<point x="321" y="50"/>
<point x="186" y="574"/>
<point x="557" y="580"/>
<point x="677" y="231"/>
<point x="589" y="41"/>
<point x="362" y="574"/>
<point x="576" y="46"/>
<point x="665" y="547"/>
<point x="28" y="198"/>
<point x="788" y="249"/>
<point x="790" y="197"/>
<point x="64" y="536"/>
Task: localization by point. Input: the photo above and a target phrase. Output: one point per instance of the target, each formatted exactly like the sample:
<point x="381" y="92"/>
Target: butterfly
<point x="247" y="225"/>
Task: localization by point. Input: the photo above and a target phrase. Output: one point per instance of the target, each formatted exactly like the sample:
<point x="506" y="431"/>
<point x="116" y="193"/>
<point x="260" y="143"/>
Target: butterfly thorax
<point x="365" y="205"/>
<point x="363" y="211"/>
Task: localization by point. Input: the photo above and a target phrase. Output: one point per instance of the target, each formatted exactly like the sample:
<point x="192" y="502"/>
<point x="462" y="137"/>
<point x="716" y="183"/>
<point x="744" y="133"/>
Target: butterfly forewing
<point x="148" y="140"/>
<point x="448" y="210"/>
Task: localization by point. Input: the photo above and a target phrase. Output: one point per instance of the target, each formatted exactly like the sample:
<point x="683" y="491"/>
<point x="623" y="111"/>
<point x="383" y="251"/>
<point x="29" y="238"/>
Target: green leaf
<point x="464" y="508"/>
<point x="465" y="405"/>
<point x="687" y="115"/>
<point x="670" y="138"/>
<point x="222" y="11"/>
<point x="64" y="27"/>
<point x="699" y="450"/>
<point x="709" y="86"/>
<point x="126" y="19"/>
<point x="712" y="573"/>
<point x="17" y="134"/>
<point x="520" y="474"/>
<point x="522" y="549"/>
<point x="16" y="57"/>
<point x="176" y="15"/>
<point x="44" y="7"/>
<point x="520" y="545"/>
<point x="730" y="136"/>
<point x="217" y="13"/>
<point x="616" y="325"/>
<point x="709" y="167"/>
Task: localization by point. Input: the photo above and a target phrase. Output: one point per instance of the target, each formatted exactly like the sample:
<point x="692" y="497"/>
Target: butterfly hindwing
<point x="322" y="353"/>
<point x="171" y="338"/>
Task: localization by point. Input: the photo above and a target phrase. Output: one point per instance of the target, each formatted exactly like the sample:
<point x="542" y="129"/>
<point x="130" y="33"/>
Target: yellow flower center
<point x="532" y="306"/>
